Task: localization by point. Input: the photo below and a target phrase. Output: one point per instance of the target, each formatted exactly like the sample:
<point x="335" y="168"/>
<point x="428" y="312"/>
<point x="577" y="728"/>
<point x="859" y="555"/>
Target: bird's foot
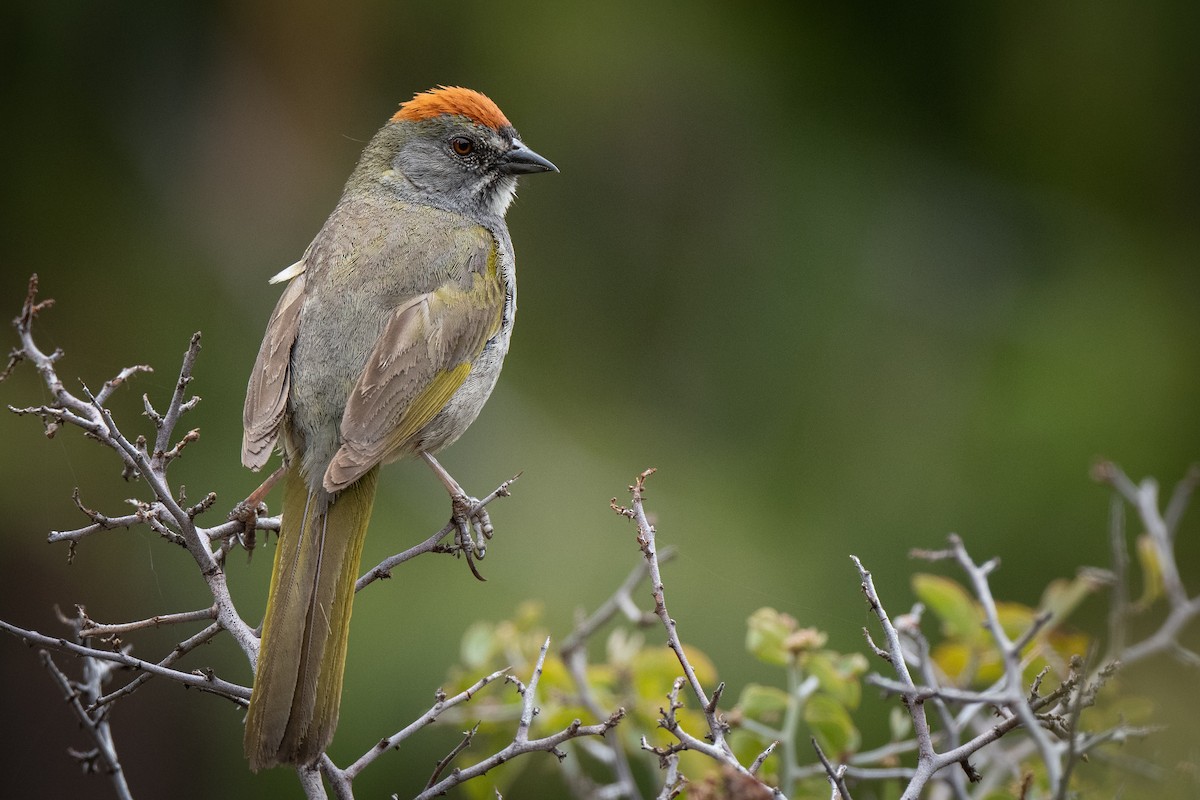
<point x="473" y="528"/>
<point x="247" y="513"/>
<point x="249" y="510"/>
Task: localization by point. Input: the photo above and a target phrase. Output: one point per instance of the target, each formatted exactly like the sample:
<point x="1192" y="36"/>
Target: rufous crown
<point x="456" y="100"/>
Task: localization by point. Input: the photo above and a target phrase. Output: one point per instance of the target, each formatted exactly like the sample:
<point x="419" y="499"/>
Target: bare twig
<point x="100" y="522"/>
<point x="574" y="655"/>
<point x="1011" y="653"/>
<point x="181" y="649"/>
<point x="1049" y="718"/>
<point x="909" y="695"/>
<point x="1008" y="694"/>
<point x="169" y="515"/>
<point x="443" y="704"/>
<point x="646" y="534"/>
<point x="837" y="776"/>
<point x="164" y="453"/>
<point x="207" y="682"/>
<point x="463" y="744"/>
<point x="673" y="780"/>
<point x="93" y="629"/>
<point x="756" y="765"/>
<point x="80" y="698"/>
<point x="433" y="544"/>
<point x="521" y="743"/>
<point x="1161" y="527"/>
<point x="124" y="375"/>
<point x="718" y="749"/>
<point x="310" y="782"/>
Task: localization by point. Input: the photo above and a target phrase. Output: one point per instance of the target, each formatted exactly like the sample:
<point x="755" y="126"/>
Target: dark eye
<point x="462" y="146"/>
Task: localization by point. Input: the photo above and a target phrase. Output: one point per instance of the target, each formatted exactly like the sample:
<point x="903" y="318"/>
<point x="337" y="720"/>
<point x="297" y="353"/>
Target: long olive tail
<point x="298" y="682"/>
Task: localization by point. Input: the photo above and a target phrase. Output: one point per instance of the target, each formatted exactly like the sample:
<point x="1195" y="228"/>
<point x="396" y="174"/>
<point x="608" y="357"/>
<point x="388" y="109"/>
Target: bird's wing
<point x="422" y="357"/>
<point x="267" y="393"/>
<point x="287" y="273"/>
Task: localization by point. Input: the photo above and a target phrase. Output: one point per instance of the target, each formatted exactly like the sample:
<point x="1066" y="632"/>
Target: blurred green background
<point x="851" y="276"/>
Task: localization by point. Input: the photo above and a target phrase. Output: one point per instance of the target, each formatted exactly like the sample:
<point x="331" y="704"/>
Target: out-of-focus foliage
<point x="851" y="275"/>
<point x="967" y="654"/>
<point x="633" y="676"/>
<point x="822" y="689"/>
<point x="816" y="695"/>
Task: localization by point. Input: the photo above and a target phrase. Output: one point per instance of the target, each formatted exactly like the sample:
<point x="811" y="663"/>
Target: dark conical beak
<point x="520" y="160"/>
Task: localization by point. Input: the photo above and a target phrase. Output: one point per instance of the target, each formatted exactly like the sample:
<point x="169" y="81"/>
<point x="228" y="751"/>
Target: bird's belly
<point x="465" y="404"/>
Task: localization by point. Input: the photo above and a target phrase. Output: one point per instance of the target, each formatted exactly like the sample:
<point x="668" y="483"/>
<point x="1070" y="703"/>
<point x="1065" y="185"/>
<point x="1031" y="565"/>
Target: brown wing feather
<point x="267" y="393"/>
<point x="419" y="362"/>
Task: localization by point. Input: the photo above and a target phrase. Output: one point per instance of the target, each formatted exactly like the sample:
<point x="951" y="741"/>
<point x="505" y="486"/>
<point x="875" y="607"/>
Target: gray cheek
<point x="423" y="164"/>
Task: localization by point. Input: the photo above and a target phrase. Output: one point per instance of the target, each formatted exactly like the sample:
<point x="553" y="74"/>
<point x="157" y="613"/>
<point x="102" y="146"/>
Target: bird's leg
<point x="466" y="519"/>
<point x="258" y="495"/>
<point x="247" y="511"/>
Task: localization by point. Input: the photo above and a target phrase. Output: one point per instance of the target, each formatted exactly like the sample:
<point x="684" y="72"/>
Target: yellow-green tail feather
<point x="298" y="681"/>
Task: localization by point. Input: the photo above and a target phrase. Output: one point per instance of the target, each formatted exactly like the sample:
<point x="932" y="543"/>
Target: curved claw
<point x="465" y="518"/>
<point x="471" y="564"/>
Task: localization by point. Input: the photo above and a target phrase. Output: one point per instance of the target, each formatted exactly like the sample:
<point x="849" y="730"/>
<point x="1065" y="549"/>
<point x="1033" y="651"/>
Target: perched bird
<point x="386" y="343"/>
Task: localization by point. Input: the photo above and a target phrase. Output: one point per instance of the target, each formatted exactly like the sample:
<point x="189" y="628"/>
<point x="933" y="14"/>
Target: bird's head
<point x="455" y="148"/>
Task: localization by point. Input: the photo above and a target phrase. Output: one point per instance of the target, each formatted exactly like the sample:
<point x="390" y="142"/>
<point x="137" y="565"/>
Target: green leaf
<point x="766" y="704"/>
<point x="1062" y="597"/>
<point x="747" y="746"/>
<point x="478" y="644"/>
<point x="831" y="724"/>
<point x="766" y="631"/>
<point x="953" y="605"/>
<point x="838" y="674"/>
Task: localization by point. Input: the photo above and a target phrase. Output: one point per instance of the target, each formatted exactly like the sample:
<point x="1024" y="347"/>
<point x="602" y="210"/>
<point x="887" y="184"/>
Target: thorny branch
<point x="717" y="747"/>
<point x="1161" y="527"/>
<point x="82" y="698"/>
<point x="433" y="544"/>
<point x="521" y="743"/>
<point x="1050" y="722"/>
<point x="574" y="656"/>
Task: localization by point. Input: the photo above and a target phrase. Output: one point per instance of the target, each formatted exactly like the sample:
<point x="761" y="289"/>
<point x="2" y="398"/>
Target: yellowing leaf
<point x="1015" y="619"/>
<point x="1152" y="579"/>
<point x="956" y="661"/>
<point x="989" y="666"/>
<point x="655" y="670"/>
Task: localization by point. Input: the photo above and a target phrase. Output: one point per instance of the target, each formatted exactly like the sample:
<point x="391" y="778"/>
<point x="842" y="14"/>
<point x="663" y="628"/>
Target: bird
<point x="385" y="344"/>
